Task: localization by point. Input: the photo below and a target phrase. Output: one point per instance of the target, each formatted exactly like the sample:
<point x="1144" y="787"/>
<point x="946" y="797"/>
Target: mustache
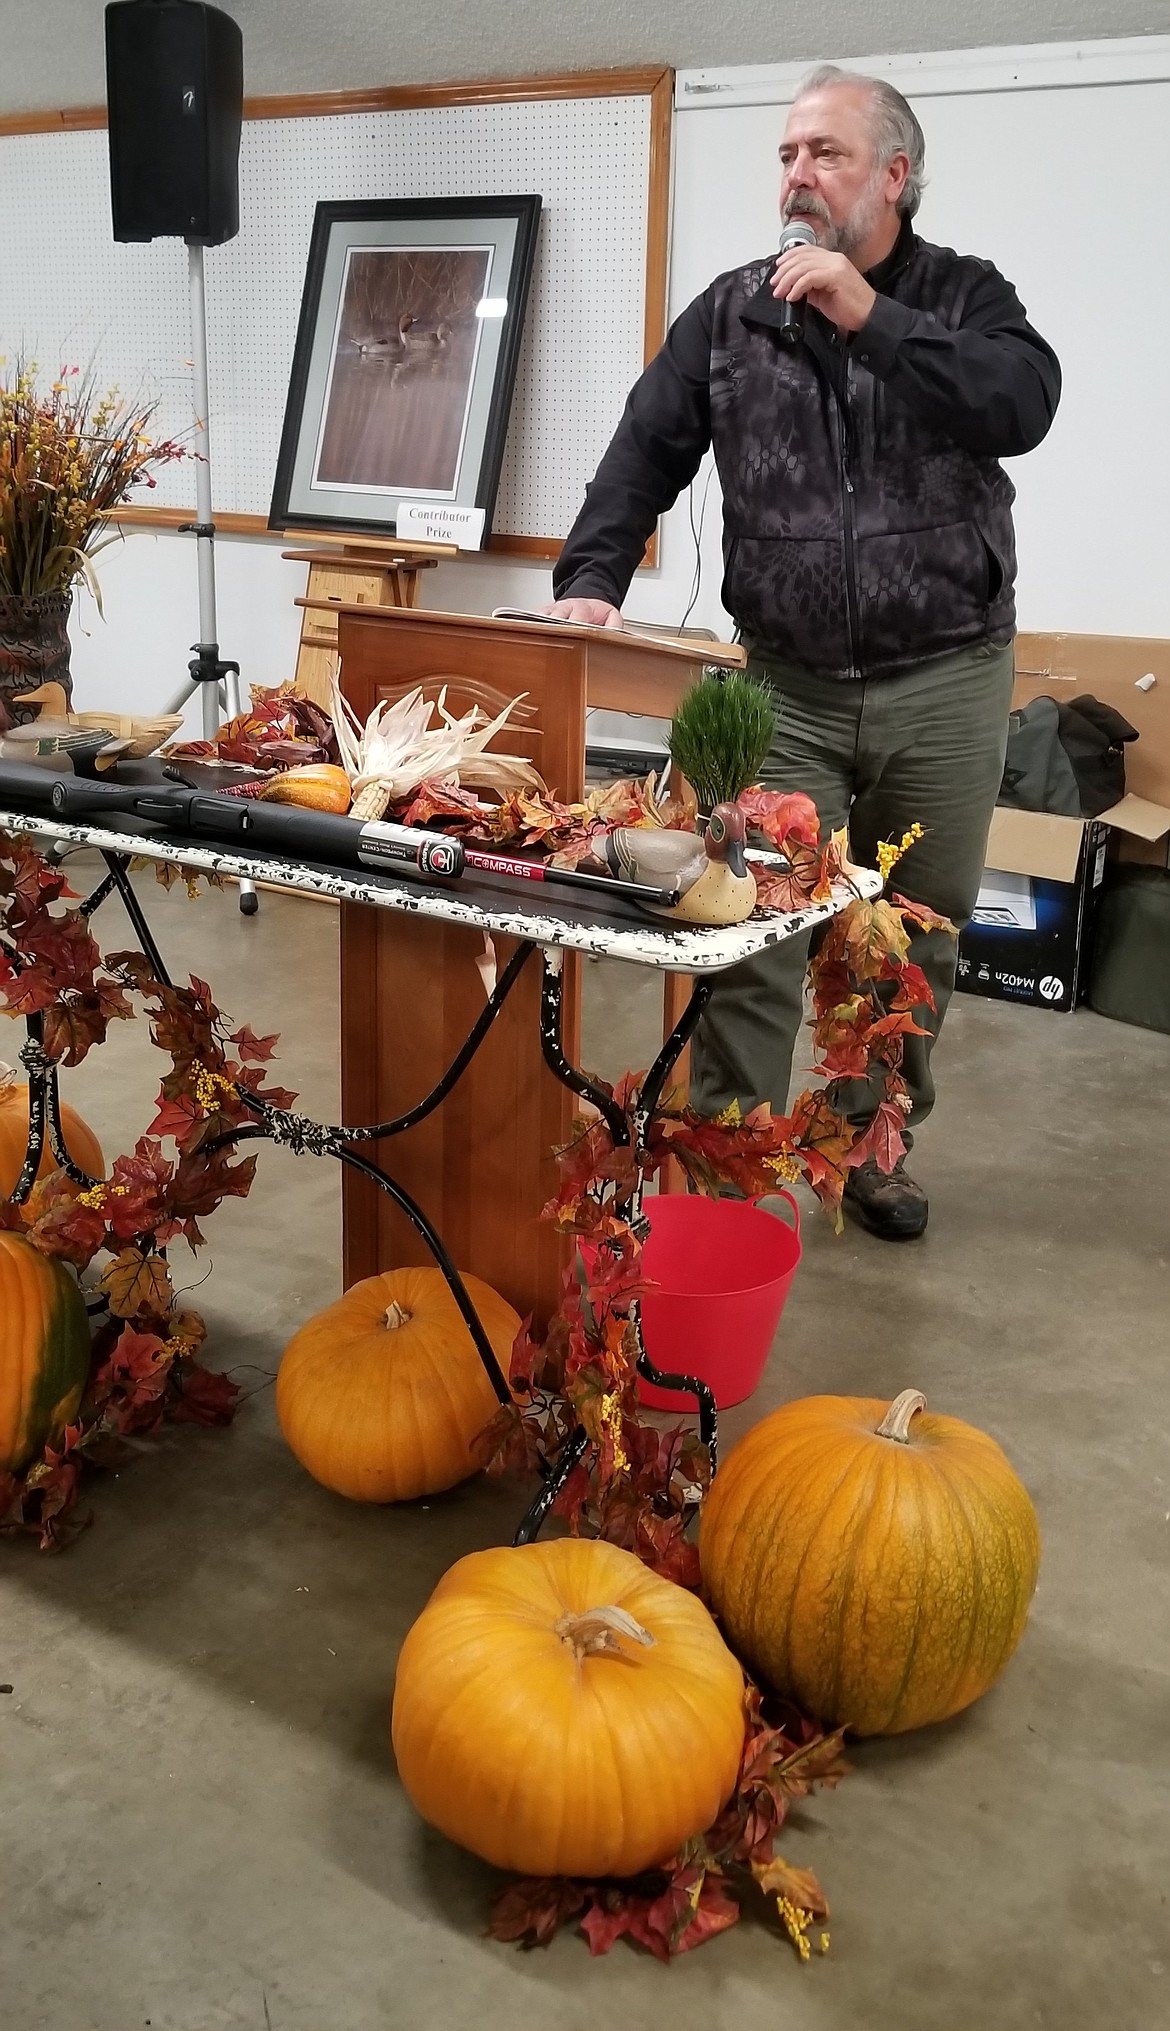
<point x="803" y="203"/>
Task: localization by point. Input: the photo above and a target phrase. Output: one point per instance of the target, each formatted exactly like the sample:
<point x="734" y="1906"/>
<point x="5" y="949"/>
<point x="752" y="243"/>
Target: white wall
<point x="1063" y="187"/>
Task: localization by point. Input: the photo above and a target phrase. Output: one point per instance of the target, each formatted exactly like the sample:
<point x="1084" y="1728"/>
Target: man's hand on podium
<point x="588" y="613"/>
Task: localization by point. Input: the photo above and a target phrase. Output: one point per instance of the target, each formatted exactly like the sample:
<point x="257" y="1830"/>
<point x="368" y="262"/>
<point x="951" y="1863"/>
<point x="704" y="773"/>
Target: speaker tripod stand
<point x="217" y="679"/>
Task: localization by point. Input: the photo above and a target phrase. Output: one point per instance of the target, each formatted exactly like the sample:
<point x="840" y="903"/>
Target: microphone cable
<point x="697" y="538"/>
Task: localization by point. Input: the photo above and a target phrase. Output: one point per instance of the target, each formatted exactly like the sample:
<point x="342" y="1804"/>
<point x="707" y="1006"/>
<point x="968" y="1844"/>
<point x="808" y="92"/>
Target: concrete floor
<point x="202" y="1828"/>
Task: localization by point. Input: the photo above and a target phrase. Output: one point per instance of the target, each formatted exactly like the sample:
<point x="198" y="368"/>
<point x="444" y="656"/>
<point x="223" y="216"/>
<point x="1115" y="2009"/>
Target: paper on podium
<point x="531" y="613"/>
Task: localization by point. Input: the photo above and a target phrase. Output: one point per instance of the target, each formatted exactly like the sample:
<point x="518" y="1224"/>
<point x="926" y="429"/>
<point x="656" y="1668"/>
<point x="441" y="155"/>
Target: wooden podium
<point x="481" y="1165"/>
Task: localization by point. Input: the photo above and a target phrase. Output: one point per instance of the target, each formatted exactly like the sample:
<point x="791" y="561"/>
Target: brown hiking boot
<point x="888" y="1203"/>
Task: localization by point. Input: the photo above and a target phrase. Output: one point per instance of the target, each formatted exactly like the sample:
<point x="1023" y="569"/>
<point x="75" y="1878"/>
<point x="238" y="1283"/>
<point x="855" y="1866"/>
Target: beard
<point x="852" y="232"/>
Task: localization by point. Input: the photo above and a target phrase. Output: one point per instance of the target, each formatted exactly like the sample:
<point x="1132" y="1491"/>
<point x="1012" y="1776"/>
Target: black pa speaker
<point x="175" y="91"/>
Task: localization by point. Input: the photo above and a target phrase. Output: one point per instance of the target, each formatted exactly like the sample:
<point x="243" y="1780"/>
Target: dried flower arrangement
<point x="68" y="458"/>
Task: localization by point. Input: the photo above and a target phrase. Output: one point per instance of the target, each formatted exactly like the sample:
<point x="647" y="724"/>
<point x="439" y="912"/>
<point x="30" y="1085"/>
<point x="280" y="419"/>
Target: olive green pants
<point x="928" y="745"/>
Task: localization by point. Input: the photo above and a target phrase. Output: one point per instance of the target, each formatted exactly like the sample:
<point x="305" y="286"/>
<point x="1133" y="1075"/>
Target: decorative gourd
<point x="381" y="1394"/>
<point x="872" y="1561"/>
<point x="80" y="1140"/>
<point x="319" y="786"/>
<point x="561" y="1710"/>
<point x="44" y="1351"/>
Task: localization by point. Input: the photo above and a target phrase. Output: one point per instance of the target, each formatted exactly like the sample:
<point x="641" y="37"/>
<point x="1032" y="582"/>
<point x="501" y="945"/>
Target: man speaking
<point x="859" y="391"/>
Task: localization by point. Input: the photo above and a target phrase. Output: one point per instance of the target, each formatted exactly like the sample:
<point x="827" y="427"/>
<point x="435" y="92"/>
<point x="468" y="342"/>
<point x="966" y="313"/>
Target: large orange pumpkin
<point x="80" y="1140"/>
<point x="873" y="1561"/>
<point x="561" y="1710"/>
<point x="44" y="1351"/>
<point x="381" y="1394"/>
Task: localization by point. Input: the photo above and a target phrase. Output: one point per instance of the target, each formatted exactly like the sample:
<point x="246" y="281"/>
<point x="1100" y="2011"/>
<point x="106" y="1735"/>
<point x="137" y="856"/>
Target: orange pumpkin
<point x="319" y="786"/>
<point x="80" y="1140"/>
<point x="381" y="1394"/>
<point x="44" y="1351"/>
<point x="561" y="1710"/>
<point x="873" y="1562"/>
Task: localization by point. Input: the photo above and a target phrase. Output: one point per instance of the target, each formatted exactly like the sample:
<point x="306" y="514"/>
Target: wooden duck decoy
<point x="709" y="870"/>
<point x="52" y="699"/>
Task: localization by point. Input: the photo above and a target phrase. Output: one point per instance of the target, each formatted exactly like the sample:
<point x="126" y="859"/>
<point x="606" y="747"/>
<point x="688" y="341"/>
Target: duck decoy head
<point x="725" y="836"/>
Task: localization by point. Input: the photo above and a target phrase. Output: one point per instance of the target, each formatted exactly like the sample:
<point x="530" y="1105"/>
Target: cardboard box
<point x="1131" y="673"/>
<point x="1030" y="939"/>
<point x="1031" y="935"/>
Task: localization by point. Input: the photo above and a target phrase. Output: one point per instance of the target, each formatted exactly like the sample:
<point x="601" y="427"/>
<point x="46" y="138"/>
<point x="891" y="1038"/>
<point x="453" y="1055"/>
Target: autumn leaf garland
<point x="144" y="1365"/>
<point x="635" y="1486"/>
<point x="639" y="1486"/>
<point x="703" y="1890"/>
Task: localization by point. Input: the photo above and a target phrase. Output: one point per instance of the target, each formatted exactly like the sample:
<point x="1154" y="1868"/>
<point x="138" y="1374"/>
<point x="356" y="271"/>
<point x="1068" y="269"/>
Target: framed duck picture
<point x="405" y="363"/>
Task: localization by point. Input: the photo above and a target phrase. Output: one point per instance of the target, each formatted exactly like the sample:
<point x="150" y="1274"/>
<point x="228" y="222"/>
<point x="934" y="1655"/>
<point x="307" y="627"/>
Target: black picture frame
<point x="333" y="372"/>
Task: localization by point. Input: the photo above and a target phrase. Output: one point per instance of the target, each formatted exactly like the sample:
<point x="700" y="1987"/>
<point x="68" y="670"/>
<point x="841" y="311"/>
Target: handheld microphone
<point x="796" y="234"/>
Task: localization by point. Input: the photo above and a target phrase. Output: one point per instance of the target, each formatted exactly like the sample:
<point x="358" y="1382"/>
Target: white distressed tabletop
<point x="609" y="931"/>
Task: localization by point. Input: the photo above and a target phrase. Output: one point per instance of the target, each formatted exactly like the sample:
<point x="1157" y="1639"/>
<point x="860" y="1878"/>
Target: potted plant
<point x="68" y="458"/>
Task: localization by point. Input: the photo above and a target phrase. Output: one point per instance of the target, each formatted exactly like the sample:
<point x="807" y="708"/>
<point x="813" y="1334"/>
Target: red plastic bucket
<point x="722" y="1271"/>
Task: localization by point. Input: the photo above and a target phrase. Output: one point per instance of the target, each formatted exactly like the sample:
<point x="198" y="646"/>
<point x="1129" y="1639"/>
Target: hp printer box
<point x="1031" y="935"/>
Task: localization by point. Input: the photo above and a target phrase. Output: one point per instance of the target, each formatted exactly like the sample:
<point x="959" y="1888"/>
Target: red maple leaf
<point x="54" y="1484"/>
<point x="253" y="1049"/>
<point x="26" y="989"/>
<point x="440" y="800"/>
<point x="179" y="1118"/>
<point x="784" y="817"/>
<point x="925" y="918"/>
<point x="60" y="1225"/>
<point x="883" y="1139"/>
<point x="130" y="1383"/>
<point x="77" y="1021"/>
<point x="252" y="1078"/>
<point x="64" y="947"/>
<point x="28" y="879"/>
<point x="204" y="1396"/>
<point x="532" y="1911"/>
<point x="135" y="1198"/>
<point x="202" y="1181"/>
<point x="509" y="1443"/>
<point x="912" y="988"/>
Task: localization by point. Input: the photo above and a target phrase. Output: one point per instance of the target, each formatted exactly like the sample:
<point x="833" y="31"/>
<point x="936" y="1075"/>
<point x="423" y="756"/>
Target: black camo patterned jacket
<point x="867" y="520"/>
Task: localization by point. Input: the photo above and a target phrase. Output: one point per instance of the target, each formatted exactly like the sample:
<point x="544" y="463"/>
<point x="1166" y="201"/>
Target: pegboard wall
<point x="69" y="294"/>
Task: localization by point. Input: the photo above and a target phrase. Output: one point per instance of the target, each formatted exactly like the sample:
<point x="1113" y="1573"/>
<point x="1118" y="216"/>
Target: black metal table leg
<point x="119" y="877"/>
<point x="573" y="1450"/>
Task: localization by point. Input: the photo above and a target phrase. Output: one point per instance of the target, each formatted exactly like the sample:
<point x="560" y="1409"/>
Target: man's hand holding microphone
<point x="808" y="273"/>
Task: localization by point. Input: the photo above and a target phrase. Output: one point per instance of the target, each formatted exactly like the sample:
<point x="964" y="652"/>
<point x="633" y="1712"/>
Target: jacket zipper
<point x="847" y="497"/>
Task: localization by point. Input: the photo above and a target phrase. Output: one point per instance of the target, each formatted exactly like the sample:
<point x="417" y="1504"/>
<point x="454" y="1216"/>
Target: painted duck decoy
<point x="52" y="699"/>
<point x="708" y="869"/>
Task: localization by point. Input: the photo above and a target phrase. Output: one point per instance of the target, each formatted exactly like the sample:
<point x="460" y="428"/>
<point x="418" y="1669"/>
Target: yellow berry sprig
<point x="889" y="854"/>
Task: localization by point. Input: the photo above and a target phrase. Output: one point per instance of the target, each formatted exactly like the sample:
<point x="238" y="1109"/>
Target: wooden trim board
<point x="257" y="525"/>
<point x="596" y="84"/>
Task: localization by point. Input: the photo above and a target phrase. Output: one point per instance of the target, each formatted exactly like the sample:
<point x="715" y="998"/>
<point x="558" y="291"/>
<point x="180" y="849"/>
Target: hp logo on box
<point x="1051" y="988"/>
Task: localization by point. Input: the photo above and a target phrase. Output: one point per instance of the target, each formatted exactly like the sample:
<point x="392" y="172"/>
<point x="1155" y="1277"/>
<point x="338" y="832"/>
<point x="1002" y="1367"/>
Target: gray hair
<point x="893" y="124"/>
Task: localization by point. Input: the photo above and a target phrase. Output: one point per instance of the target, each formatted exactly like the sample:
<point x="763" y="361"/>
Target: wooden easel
<point x="351" y="571"/>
